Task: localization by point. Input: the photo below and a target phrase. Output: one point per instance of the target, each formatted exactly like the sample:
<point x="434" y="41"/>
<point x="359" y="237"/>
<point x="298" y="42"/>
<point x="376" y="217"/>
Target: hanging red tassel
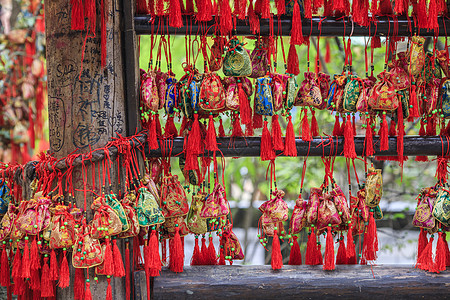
<point x="392" y="129"/>
<point x="385" y="8"/>
<point x="267" y="152"/>
<point x="422" y="242"/>
<point x="142" y="7"/>
<point x="422" y="14"/>
<point x="290" y="148"/>
<point x="88" y="294"/>
<point x="249" y="129"/>
<point x="108" y="279"/>
<point x="226" y="22"/>
<point x="170" y="131"/>
<point x="425" y="260"/>
<point x="293" y="64"/>
<point x="17" y="266"/>
<point x="78" y="285"/>
<point x="240" y="9"/>
<point x="77" y="21"/>
<point x="351" y="252"/>
<point x="154" y="259"/>
<point x="341" y="257"/>
<point x="211" y="143"/>
<point x="327" y="52"/>
<point x="414" y="110"/>
<point x="297" y="31"/>
<point x="349" y="142"/>
<point x="127" y="271"/>
<point x="152" y="135"/>
<point x="384" y="140"/>
<point x="204" y="11"/>
<point x="277" y="139"/>
<point x="176" y="253"/>
<point x="354" y="124"/>
<point x="222" y="257"/>
<point x="265" y="9"/>
<point x="440" y="253"/>
<point x="401" y="133"/>
<point x="46" y="281"/>
<point x="195" y="139"/>
<point x="119" y="270"/>
<point x="257" y="121"/>
<point x="35" y="280"/>
<point x="203" y="254"/>
<point x="277" y="259"/>
<point x="370" y="244"/>
<point x="314" y="124"/>
<point x="26" y="264"/>
<point x="306" y="132"/>
<point x="221" y="130"/>
<point x="34" y="256"/>
<point x="329" y="251"/>
<point x="311" y="248"/>
<point x="212" y="257"/>
<point x="244" y="105"/>
<point x="64" y="276"/>
<point x="196" y="255"/>
<point x="307" y="9"/>
<point x="189" y="7"/>
<point x="281" y="7"/>
<point x="237" y="129"/>
<point x="108" y="258"/>
<point x="4" y="269"/>
<point x="400" y="7"/>
<point x="433" y="15"/>
<point x="54" y="273"/>
<point x="175" y="19"/>
<point x="253" y="19"/>
<point x="295" y="257"/>
<point x="338" y="6"/>
<point x="337" y="126"/>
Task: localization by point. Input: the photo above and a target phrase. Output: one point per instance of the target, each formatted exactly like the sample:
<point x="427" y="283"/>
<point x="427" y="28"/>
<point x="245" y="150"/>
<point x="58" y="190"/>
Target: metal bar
<point x="331" y="26"/>
<point x="250" y="146"/>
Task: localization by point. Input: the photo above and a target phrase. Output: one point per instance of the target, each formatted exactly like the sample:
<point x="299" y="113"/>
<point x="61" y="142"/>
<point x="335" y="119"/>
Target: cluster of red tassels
<point x="204" y="255"/>
<point x="425" y="259"/>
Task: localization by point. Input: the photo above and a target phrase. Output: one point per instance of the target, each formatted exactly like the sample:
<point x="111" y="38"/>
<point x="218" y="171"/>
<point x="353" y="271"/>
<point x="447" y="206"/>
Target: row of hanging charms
<point x="327" y="211"/>
<point x="153" y="209"/>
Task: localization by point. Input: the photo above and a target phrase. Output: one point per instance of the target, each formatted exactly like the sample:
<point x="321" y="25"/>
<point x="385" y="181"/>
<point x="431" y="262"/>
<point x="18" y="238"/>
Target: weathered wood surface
<point x="297" y="282"/>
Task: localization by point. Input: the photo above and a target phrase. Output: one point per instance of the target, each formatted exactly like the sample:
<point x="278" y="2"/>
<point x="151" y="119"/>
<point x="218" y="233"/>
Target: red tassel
<point x="222" y="258"/>
<point x="277" y="259"/>
<point x="354" y="125"/>
<point x="349" y="141"/>
<point x="54" y="270"/>
<point x="277" y="139"/>
<point x="338" y="6"/>
<point x="196" y="255"/>
<point x="88" y="294"/>
<point x="244" y="106"/>
<point x="17" y="265"/>
<point x="211" y="143"/>
<point x="265" y="9"/>
<point x="401" y="133"/>
<point x="226" y="22"/>
<point x="34" y="256"/>
<point x="249" y="129"/>
<point x="422" y="14"/>
<point x="35" y="281"/>
<point x="351" y="252"/>
<point x="26" y="264"/>
<point x="422" y="127"/>
<point x="103" y="35"/>
<point x="440" y="254"/>
<point x="221" y="130"/>
<point x="341" y="257"/>
<point x="204" y="11"/>
<point x="290" y="148"/>
<point x="295" y="257"/>
<point x="142" y="7"/>
<point x="152" y="135"/>
<point x="176" y="253"/>
<point x="46" y="281"/>
<point x="433" y="15"/>
<point x="307" y="9"/>
<point x="240" y="9"/>
<point x="237" y="129"/>
<point x="190" y="7"/>
<point x="175" y="19"/>
<point x="253" y="19"/>
<point x="329" y="252"/>
<point x="311" y="248"/>
<point x="127" y="272"/>
<point x="64" y="276"/>
<point x="327" y="52"/>
<point x="155" y="260"/>
<point x="158" y="126"/>
<point x="267" y="152"/>
<point x="212" y="257"/>
<point x="78" y="285"/>
<point x="414" y="110"/>
<point x="374" y="9"/>
<point x="77" y="21"/>
<point x="203" y="254"/>
<point x="425" y="260"/>
<point x="108" y="259"/>
<point x="170" y="131"/>
<point x="296" y="31"/>
<point x="400" y="7"/>
<point x="293" y="64"/>
<point x="109" y="289"/>
<point x="370" y="244"/>
<point x="337" y="126"/>
<point x="385" y="8"/>
<point x="195" y="140"/>
<point x="384" y="140"/>
<point x="314" y="124"/>
<point x="281" y="7"/>
<point x="119" y="270"/>
<point x="306" y="133"/>
<point x="257" y="121"/>
<point x="5" y="280"/>
<point x="375" y="41"/>
<point x="422" y="243"/>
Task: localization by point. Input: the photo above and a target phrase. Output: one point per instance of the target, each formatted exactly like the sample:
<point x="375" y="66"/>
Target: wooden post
<point x="86" y="103"/>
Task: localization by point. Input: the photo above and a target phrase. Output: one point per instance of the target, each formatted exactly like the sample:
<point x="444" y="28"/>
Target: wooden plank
<point x="297" y="282"/>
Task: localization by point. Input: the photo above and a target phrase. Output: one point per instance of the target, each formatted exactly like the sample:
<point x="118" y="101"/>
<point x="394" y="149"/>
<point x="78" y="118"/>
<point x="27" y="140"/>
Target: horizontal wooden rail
<point x="331" y="26"/>
<point x="250" y="146"/>
<point x="296" y="282"/>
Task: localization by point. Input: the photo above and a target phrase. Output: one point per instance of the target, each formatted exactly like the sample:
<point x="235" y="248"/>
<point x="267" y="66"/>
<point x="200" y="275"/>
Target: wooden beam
<point x="296" y="282"/>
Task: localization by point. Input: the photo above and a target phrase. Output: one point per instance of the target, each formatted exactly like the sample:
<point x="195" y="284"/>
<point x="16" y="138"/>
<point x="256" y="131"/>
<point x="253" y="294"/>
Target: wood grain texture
<point x="297" y="282"/>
